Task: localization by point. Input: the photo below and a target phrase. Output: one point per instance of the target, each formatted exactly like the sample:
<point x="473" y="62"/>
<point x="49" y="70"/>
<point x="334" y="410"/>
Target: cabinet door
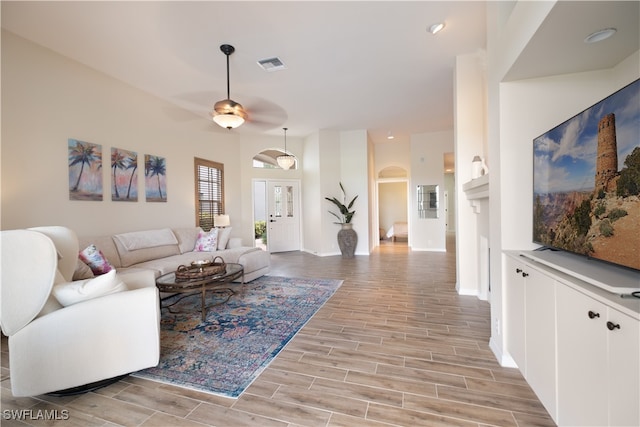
<point x="514" y="315"/>
<point x="624" y="369"/>
<point x="540" y="337"/>
<point x="582" y="359"/>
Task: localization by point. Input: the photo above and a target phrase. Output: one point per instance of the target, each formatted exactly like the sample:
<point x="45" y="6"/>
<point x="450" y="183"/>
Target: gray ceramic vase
<point x="347" y="240"/>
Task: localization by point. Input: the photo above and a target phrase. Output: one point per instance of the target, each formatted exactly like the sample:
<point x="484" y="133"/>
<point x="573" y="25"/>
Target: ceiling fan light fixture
<point x="285" y="161"/>
<point x="229" y="121"/>
<point x="228" y="113"/>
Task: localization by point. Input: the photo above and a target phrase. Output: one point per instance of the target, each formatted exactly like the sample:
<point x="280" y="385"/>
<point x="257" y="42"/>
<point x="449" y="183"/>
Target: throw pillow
<point x="82" y="271"/>
<point x="223" y="237"/>
<point x="207" y="241"/>
<point x="83" y="290"/>
<point x="95" y="259"/>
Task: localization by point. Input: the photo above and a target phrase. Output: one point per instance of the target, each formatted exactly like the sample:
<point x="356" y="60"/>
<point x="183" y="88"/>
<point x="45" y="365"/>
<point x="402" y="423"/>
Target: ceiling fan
<point x="228" y="113"/>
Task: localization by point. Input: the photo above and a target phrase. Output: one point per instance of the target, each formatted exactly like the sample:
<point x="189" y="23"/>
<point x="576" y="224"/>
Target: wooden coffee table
<point x="219" y="282"/>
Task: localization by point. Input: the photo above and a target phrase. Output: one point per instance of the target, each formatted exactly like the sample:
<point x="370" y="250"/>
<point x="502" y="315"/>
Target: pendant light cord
<point x="285" y="142"/>
<point x="228" y="92"/>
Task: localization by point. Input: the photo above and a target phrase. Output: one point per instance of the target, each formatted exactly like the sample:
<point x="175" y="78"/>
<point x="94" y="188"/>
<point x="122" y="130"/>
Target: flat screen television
<point x="586" y="182"/>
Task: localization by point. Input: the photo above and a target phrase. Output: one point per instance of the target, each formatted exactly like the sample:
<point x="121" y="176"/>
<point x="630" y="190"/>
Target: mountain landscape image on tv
<point x="586" y="181"/>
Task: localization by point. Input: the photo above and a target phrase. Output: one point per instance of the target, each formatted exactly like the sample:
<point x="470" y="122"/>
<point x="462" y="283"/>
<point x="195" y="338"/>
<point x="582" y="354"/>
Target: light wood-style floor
<point x="395" y="346"/>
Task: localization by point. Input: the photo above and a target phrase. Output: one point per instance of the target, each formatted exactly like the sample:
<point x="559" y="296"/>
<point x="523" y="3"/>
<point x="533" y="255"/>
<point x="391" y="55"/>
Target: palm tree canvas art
<point x="85" y="170"/>
<point x="124" y="175"/>
<point x="155" y="178"/>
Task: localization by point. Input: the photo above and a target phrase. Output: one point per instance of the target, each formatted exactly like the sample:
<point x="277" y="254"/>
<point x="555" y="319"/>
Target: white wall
<point x="518" y="112"/>
<point x="329" y="177"/>
<point x="407" y="155"/>
<point x="470" y="134"/>
<point x="450" y="187"/>
<point x="427" y="168"/>
<point x="510" y="26"/>
<point x="47" y="99"/>
<point x="373" y="237"/>
<point x="394" y="153"/>
<point x="550" y="101"/>
<point x="354" y="175"/>
<point x="312" y="207"/>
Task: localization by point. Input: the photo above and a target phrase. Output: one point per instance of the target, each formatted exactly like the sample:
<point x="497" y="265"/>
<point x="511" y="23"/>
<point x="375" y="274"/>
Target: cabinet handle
<point x="611" y="326"/>
<point x="525" y="274"/>
<point x="593" y="315"/>
<point x="518" y="270"/>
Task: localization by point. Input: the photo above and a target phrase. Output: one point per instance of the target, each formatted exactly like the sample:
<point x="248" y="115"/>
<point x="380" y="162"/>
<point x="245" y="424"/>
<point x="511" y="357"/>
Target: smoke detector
<point x="272" y="64"/>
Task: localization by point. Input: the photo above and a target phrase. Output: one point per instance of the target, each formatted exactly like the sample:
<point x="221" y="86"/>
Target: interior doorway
<point x="393" y="212"/>
<point x="392" y="198"/>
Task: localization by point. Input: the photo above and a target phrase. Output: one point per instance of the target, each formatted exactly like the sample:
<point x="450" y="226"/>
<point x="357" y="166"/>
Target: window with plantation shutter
<point x="209" y="192"/>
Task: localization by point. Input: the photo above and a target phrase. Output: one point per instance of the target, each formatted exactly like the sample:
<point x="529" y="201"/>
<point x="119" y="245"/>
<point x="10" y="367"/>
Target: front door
<point x="283" y="221"/>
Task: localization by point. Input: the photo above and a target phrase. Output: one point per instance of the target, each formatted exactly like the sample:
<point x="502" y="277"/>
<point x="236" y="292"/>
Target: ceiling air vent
<point x="272" y="64"/>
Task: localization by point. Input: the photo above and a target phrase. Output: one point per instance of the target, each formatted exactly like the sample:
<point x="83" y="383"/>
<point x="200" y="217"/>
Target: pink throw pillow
<point x="95" y="259"/>
<point x="207" y="242"/>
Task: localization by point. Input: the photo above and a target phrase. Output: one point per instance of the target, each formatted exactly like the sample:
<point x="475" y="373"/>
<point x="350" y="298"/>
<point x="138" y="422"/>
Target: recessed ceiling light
<point x="436" y="27"/>
<point x="389" y="135"/>
<point x="600" y="35"/>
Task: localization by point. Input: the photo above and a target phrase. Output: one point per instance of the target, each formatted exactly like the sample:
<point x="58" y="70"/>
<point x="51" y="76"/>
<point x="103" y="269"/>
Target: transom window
<point x="268" y="159"/>
<point x="209" y="192"/>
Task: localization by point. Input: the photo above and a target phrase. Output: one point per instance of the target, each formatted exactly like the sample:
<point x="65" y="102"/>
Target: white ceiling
<point x="350" y="64"/>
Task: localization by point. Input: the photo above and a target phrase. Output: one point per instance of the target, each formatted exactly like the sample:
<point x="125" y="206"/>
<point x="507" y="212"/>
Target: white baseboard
<point x="504" y="359"/>
<point x="466" y="292"/>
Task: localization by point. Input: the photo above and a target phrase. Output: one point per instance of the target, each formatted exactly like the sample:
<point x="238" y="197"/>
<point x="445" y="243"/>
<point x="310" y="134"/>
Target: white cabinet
<point x="598" y="363"/>
<point x="582" y="389"/>
<point x="540" y="337"/>
<point x="578" y="346"/>
<point x="624" y="369"/>
<point x="531" y="328"/>
<point x="514" y="311"/>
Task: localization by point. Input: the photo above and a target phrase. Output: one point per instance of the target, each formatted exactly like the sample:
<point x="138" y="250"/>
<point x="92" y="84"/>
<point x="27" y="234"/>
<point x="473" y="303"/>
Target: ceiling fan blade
<point x="264" y="114"/>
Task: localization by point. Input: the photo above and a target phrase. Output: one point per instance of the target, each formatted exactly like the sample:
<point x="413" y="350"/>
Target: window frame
<point x="219" y="187"/>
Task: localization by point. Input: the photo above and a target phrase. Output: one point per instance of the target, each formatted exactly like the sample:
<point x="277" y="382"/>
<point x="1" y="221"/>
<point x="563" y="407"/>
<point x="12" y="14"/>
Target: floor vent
<point x="272" y="64"/>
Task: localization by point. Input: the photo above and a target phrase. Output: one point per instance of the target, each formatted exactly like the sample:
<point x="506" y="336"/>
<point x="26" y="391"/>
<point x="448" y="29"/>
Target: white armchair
<point x="54" y="348"/>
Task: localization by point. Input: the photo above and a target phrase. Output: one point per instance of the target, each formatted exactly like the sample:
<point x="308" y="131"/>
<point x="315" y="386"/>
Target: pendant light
<point x="286" y="160"/>
<point x="228" y="113"/>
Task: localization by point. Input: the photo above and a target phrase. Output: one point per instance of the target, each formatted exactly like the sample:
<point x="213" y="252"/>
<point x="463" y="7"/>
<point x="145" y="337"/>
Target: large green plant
<point x="345" y="213"/>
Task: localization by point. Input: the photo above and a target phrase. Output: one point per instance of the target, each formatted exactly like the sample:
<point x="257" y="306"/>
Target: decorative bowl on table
<point x="201" y="263"/>
<point x="201" y="268"/>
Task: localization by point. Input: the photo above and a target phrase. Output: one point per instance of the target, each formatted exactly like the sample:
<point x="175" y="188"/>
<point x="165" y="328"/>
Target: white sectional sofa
<point x="164" y="250"/>
<point x="61" y="345"/>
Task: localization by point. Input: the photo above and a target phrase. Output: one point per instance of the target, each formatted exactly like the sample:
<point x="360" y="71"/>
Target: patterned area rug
<point x="239" y="338"/>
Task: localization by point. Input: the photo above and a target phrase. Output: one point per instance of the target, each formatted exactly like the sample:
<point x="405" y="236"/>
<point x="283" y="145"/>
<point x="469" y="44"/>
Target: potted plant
<point x="347" y="237"/>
